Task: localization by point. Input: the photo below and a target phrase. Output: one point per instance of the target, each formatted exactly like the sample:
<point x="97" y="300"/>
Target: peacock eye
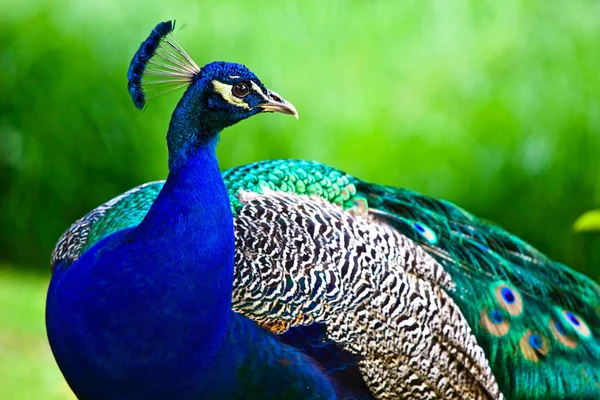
<point x="240" y="89"/>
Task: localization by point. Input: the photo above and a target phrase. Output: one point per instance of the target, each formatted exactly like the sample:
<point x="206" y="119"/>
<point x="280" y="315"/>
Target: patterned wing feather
<point x="537" y="320"/>
<point x="124" y="211"/>
<point x="302" y="260"/>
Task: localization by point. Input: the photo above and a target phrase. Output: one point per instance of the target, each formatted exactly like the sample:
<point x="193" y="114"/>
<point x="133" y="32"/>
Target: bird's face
<point x="235" y="93"/>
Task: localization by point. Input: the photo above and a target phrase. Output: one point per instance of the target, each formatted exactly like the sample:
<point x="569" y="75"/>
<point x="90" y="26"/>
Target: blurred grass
<point x="27" y="368"/>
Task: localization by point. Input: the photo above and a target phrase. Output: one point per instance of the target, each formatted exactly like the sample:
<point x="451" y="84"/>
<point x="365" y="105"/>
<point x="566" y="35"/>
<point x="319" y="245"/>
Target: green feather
<point x="537" y="320"/>
<point x="481" y="258"/>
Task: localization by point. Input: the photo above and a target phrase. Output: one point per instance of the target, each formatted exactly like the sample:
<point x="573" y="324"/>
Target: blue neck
<point x="189" y="231"/>
<point x="185" y="135"/>
<point x="187" y="238"/>
<point x="191" y="127"/>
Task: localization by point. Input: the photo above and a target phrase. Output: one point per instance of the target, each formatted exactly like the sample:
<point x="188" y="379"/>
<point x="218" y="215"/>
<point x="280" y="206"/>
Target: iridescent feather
<point x="536" y="319"/>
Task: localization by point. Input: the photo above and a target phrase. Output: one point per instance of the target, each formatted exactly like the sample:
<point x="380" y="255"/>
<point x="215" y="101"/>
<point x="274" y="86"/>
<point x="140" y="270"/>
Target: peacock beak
<point x="276" y="103"/>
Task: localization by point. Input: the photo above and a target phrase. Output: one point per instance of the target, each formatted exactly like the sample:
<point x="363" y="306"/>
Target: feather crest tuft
<point x="159" y="61"/>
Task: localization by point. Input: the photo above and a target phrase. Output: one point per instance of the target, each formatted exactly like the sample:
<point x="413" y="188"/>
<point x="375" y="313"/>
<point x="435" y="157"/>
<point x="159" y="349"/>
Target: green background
<point x="492" y="105"/>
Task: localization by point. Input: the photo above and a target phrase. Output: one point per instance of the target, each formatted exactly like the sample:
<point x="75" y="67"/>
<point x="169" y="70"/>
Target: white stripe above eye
<point x="225" y="91"/>
<point x="258" y="90"/>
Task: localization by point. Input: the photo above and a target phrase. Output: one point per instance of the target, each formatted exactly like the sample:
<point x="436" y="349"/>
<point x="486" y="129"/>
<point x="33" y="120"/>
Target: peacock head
<point x="220" y="93"/>
<point x="234" y="93"/>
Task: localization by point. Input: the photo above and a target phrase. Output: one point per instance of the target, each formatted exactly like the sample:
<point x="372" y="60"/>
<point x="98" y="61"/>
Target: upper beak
<point x="276" y="103"/>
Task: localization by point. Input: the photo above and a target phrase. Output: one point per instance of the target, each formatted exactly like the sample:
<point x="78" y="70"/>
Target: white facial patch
<point x="225" y="91"/>
<point x="258" y="90"/>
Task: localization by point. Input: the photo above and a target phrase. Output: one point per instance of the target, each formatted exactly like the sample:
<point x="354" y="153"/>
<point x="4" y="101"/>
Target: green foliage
<point x="492" y="106"/>
<point x="588" y="222"/>
<point x="28" y="369"/>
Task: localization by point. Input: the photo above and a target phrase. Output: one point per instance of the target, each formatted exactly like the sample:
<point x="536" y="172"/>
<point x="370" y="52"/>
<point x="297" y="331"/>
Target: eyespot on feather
<point x="359" y="207"/>
<point x="574" y="321"/>
<point x="426" y="232"/>
<point x="560" y="334"/>
<point x="494" y="322"/>
<point x="533" y="346"/>
<point x="509" y="299"/>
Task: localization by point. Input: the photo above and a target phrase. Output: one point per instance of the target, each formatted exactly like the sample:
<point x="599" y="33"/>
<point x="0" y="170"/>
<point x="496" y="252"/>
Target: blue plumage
<point x="146" y="312"/>
<point x="140" y="60"/>
<point x="341" y="365"/>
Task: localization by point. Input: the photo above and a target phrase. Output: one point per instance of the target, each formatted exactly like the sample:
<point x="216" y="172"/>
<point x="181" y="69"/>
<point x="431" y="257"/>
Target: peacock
<point x="289" y="279"/>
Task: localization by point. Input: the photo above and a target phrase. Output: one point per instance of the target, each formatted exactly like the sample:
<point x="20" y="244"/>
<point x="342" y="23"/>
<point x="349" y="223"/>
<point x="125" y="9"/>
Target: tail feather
<point x="536" y="319"/>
